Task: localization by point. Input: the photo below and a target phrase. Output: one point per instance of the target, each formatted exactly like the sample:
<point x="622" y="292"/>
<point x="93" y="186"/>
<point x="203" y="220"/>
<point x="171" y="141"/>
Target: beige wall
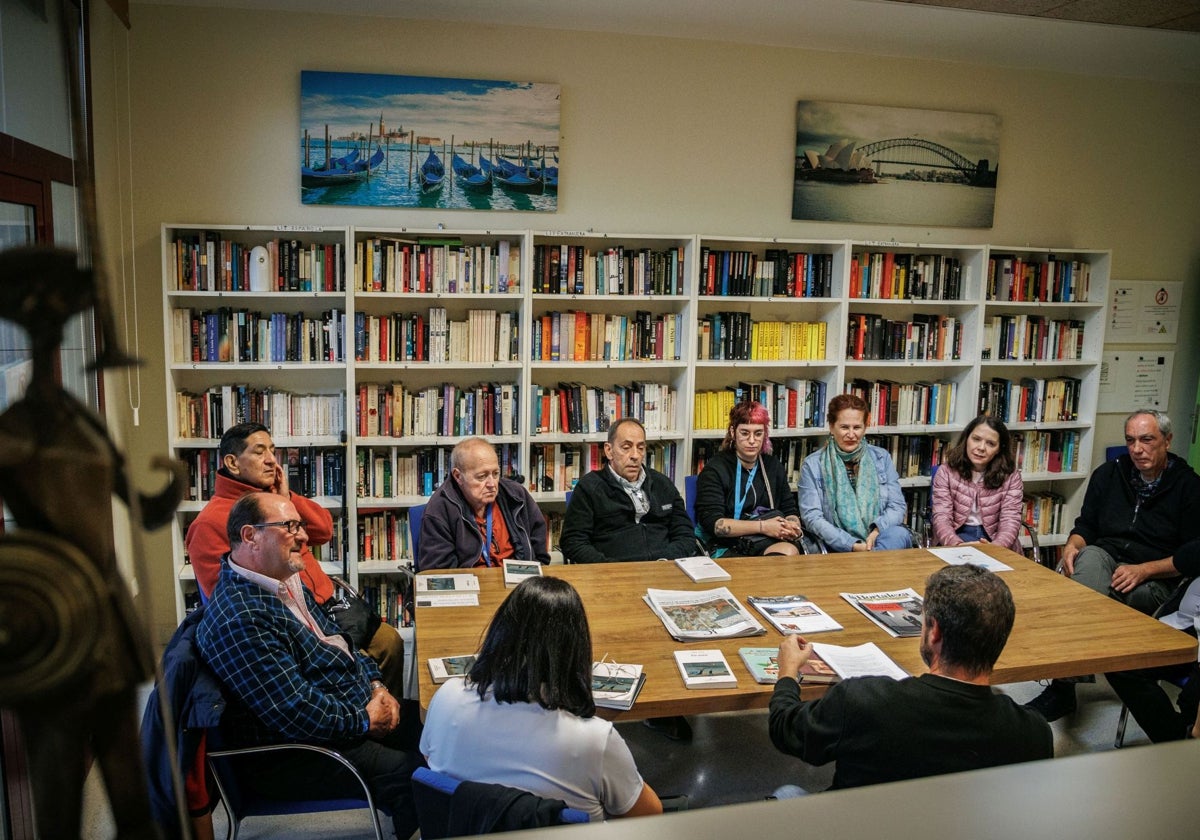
<point x="658" y="135"/>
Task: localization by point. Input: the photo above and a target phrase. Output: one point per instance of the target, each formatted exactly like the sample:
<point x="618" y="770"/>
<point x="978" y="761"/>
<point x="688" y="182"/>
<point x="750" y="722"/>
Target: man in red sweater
<point x="248" y="464"/>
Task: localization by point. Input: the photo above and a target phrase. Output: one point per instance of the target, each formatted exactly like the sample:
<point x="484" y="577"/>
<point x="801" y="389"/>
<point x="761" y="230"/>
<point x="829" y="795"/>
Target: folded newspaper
<point x="711" y="614"/>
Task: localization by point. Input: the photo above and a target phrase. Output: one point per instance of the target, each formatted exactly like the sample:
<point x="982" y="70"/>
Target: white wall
<point x="661" y="135"/>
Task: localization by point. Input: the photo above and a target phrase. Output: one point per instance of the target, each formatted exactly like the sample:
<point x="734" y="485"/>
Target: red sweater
<point x="207" y="542"/>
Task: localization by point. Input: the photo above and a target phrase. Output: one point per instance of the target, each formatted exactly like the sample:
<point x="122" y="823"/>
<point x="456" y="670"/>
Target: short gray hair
<point x="458" y="455"/>
<point x="1160" y="417"/>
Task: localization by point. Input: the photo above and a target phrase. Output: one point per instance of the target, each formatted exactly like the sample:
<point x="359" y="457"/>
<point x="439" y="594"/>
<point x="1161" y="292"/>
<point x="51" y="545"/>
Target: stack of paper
<point x="701" y="568"/>
<point x="865" y="660"/>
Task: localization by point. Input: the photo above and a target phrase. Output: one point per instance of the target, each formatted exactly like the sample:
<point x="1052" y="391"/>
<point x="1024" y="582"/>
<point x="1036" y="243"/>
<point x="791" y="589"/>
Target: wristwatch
<point x="377" y="685"/>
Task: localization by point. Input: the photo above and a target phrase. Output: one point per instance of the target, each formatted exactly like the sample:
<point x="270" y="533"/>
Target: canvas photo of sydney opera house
<point x="908" y="166"/>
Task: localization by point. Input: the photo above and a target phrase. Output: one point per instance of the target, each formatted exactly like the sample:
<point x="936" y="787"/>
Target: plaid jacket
<point x="284" y="683"/>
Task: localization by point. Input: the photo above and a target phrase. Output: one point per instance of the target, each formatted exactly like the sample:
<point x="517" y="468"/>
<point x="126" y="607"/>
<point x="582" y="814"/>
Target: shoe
<point x="676" y="727"/>
<point x="1057" y="701"/>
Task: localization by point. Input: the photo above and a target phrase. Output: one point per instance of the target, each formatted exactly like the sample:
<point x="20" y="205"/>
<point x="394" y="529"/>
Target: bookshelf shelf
<point x="685" y="345"/>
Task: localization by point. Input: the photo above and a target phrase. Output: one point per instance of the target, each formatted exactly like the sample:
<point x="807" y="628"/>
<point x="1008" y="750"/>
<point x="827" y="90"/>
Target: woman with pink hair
<point x="744" y="504"/>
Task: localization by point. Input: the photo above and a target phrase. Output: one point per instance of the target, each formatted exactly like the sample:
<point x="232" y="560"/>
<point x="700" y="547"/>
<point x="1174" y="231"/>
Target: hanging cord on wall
<point x="133" y="373"/>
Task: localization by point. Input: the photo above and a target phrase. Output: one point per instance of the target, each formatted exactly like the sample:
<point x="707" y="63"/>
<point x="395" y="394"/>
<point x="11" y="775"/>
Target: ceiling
<point x="1154" y="14"/>
<point x="1143" y="39"/>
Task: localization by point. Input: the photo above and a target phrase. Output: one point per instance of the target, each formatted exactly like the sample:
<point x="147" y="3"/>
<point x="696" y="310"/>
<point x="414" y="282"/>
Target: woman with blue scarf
<point x="850" y="496"/>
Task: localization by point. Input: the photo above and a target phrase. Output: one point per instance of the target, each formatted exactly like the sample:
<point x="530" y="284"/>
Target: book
<point x="444" y="668"/>
<point x="898" y="612"/>
<point x="616" y="685"/>
<point x="701" y="568"/>
<point x="865" y="660"/>
<point x="711" y="613"/>
<point x="793" y="614"/>
<point x="516" y="571"/>
<point x="704" y="669"/>
<point x="763" y="665"/>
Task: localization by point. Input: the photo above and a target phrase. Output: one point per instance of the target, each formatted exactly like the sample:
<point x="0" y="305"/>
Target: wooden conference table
<point x="1062" y="628"/>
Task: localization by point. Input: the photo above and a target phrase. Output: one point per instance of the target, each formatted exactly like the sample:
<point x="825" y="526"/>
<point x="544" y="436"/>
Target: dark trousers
<point x="1149" y="703"/>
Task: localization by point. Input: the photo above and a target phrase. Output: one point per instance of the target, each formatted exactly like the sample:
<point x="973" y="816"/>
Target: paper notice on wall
<point x="1143" y="312"/>
<point x="1133" y="379"/>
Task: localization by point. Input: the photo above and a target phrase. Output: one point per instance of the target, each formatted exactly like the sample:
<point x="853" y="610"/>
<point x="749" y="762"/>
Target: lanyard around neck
<point x="739" y="495"/>
<point x="487" y="542"/>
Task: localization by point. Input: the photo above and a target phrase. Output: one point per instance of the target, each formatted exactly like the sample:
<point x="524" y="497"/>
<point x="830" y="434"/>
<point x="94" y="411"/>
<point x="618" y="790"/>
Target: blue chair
<point x="689" y="496"/>
<point x="414" y="532"/>
<point x="437" y="796"/>
<point x="1112" y="453"/>
<point x="567" y="497"/>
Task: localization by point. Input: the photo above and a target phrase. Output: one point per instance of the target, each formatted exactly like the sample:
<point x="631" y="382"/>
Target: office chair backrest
<point x="448" y="807"/>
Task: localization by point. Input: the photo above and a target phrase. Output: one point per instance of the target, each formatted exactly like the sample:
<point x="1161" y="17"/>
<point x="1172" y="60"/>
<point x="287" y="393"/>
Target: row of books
<point x="777" y="273"/>
<point x="1044" y="510"/>
<point x="446" y="410"/>
<point x="557" y="467"/>
<point x="789" y="451"/>
<point x="575" y="408"/>
<point x="594" y="336"/>
<point x="383" y="472"/>
<point x="210" y="413"/>
<point x="718" y="336"/>
<point x="1053" y="451"/>
<point x="793" y="404"/>
<point x="907" y="404"/>
<point x="580" y="270"/>
<point x="913" y="455"/>
<point x="390" y="596"/>
<point x="383" y="536"/>
<point x="208" y="262"/>
<point x="924" y="337"/>
<point x="228" y="335"/>
<point x="485" y="336"/>
<point x="1031" y="400"/>
<point x="1023" y="336"/>
<point x="436" y="266"/>
<point x="888" y="275"/>
<point x="1010" y="277"/>
<point x="311" y="471"/>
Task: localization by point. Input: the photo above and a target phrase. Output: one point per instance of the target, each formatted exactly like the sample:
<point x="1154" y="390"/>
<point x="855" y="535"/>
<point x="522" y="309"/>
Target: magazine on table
<point x="793" y="614"/>
<point x="763" y="665"/>
<point x="898" y="612"/>
<point x="447" y="590"/>
<point x="616" y="685"/>
<point x="708" y="614"/>
<point x="866" y="660"/>
<point x="960" y="555"/>
<point x="704" y="669"/>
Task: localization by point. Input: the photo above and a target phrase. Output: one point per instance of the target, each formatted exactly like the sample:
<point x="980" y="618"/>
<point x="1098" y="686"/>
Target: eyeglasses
<point x="293" y="525"/>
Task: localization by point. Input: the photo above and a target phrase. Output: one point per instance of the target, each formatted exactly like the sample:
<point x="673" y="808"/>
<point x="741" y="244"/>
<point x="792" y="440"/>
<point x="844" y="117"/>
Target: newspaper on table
<point x="960" y="555"/>
<point x="898" y="612"/>
<point x="710" y="614"/>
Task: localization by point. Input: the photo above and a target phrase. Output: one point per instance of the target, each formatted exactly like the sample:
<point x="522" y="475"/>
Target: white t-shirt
<point x="555" y="754"/>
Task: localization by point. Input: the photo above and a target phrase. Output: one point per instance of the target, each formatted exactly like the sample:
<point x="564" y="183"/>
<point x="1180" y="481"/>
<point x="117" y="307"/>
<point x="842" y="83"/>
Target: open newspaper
<point x="864" y="660"/>
<point x="711" y="614"/>
<point x="897" y="612"/>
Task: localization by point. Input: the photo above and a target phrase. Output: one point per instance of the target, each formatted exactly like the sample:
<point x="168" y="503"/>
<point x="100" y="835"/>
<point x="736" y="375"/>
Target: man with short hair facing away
<point x="291" y="675"/>
<point x="248" y="464"/>
<point x="625" y="510"/>
<point x="882" y="730"/>
<point x="1137" y="511"/>
<point x="477" y="518"/>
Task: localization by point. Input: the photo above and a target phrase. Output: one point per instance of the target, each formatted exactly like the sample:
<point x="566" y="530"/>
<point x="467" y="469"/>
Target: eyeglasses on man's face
<point x="293" y="525"/>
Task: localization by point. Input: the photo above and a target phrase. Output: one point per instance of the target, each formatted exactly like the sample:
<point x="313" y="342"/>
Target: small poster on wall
<point x="903" y="166"/>
<point x="378" y="140"/>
